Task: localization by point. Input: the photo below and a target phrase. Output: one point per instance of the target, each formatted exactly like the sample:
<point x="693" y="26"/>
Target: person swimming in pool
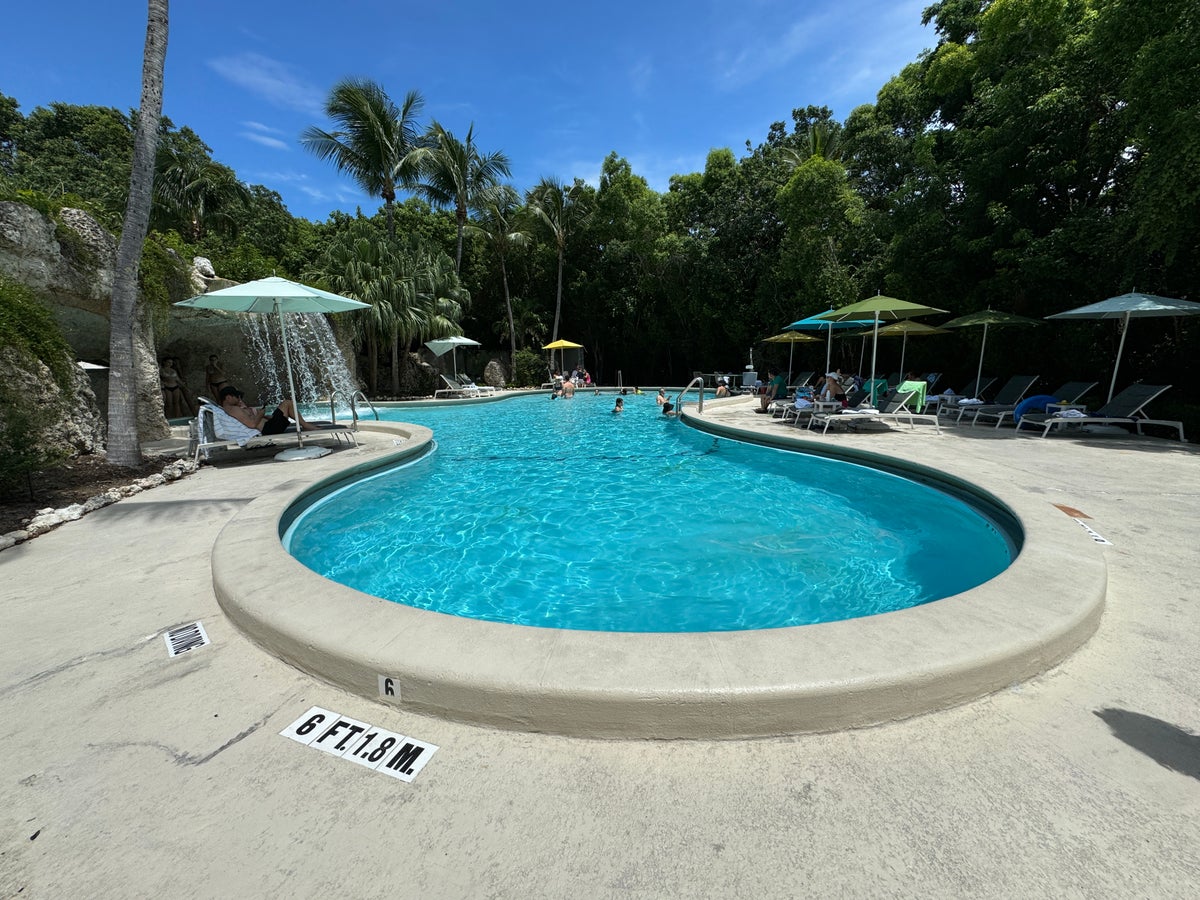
<point x="661" y="397"/>
<point x="620" y="407"/>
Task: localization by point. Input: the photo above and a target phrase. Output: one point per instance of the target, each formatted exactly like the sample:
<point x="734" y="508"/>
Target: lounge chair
<point x="480" y="390"/>
<point x="1125" y="410"/>
<point x="894" y="407"/>
<point x="217" y="430"/>
<point x="950" y="405"/>
<point x="1006" y="398"/>
<point x="1067" y="393"/>
<point x="453" y="389"/>
<point x="800" y="381"/>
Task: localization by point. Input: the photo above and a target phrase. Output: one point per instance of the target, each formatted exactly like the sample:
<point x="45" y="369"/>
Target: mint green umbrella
<point x="278" y="295"/>
<point x="1126" y="307"/>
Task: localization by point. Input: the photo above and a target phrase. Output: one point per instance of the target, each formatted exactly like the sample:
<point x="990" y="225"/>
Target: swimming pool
<point x="561" y="514"/>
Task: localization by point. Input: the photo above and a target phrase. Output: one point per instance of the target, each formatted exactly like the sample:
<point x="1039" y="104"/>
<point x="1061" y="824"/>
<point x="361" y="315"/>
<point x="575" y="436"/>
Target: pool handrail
<point x="698" y="383"/>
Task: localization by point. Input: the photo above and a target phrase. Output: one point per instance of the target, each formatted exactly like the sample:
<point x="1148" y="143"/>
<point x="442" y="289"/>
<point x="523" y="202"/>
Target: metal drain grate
<point x="184" y="638"/>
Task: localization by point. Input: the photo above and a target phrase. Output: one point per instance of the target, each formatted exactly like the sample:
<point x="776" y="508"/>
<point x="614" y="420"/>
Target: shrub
<point x="529" y="369"/>
<point x="29" y="327"/>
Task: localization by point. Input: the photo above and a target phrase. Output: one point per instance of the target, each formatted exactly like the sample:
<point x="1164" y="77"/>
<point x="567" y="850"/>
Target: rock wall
<point x="74" y="277"/>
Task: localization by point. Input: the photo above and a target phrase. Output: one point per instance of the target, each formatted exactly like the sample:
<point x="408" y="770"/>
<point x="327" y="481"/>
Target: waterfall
<point x="317" y="363"/>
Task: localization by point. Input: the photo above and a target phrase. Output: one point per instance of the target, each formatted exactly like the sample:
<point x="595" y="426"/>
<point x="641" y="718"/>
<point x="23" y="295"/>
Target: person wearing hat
<point x="233" y="404"/>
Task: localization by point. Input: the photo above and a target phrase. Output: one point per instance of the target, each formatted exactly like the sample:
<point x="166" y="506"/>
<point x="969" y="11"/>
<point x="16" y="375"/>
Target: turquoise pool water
<point x="561" y="514"/>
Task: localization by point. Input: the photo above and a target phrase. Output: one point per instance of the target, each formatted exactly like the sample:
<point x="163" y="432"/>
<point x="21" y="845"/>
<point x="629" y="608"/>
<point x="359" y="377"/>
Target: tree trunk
<point x="558" y="302"/>
<point x="460" y="214"/>
<point x="395" y="366"/>
<point x="124" y="448"/>
<point x="512" y="330"/>
<point x="373" y="361"/>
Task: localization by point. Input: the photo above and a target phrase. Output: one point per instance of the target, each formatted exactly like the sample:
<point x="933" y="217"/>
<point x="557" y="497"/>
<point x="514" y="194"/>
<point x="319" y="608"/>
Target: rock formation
<point x="73" y="274"/>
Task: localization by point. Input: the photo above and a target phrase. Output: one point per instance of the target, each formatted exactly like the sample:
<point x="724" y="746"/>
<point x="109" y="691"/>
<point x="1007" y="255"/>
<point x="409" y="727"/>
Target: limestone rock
<point x="204" y="266"/>
<point x="494" y="374"/>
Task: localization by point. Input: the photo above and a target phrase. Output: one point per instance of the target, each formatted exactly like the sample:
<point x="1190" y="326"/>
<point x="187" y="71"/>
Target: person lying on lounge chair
<point x="233" y="404"/>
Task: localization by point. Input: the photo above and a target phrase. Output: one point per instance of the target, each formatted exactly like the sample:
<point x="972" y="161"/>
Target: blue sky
<point x="556" y="86"/>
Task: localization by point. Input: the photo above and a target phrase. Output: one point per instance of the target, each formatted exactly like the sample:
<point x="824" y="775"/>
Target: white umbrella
<point x="451" y="344"/>
<point x="1126" y="307"/>
<point x="278" y="295"/>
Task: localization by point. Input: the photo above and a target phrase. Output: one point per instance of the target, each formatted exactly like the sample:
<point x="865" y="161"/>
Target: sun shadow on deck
<point x="1168" y="745"/>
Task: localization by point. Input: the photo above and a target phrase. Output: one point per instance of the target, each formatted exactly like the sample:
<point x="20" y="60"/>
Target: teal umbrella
<point x="816" y="323"/>
<point x="279" y="296"/>
<point x="1126" y="307"/>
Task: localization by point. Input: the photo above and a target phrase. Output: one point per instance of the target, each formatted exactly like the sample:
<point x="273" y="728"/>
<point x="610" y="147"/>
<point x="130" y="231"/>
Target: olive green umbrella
<point x="986" y="317"/>
<point x="879" y="308"/>
<point x="904" y="328"/>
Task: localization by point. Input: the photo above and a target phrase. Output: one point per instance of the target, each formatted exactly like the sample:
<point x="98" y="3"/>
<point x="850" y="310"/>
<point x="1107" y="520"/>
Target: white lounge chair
<point x="217" y="430"/>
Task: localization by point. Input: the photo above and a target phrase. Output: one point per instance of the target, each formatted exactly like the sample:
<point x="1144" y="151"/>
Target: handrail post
<point x="697" y="383"/>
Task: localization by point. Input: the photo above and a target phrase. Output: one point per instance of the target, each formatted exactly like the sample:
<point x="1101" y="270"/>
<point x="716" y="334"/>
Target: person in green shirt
<point x="776" y="387"/>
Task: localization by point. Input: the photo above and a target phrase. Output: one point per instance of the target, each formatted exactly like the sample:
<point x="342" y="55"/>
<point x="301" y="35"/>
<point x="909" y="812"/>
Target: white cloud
<point x="259" y="126"/>
<point x="272" y="80"/>
<point x="265" y="140"/>
<point x="846" y="44"/>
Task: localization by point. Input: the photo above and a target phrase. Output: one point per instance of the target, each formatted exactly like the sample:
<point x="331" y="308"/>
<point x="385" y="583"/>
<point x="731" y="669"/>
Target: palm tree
<point x="414" y="295"/>
<point x="454" y="172"/>
<point x="198" y="194"/>
<point x="124" y="449"/>
<point x="374" y="140"/>
<point x="497" y="210"/>
<point x="560" y="209"/>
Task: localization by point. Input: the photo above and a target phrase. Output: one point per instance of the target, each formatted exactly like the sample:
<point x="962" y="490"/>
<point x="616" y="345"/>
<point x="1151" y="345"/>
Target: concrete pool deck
<point x="139" y="774"/>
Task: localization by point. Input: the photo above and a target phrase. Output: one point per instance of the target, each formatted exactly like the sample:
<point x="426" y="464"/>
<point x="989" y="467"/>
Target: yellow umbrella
<point x="793" y="338"/>
<point x="560" y="344"/>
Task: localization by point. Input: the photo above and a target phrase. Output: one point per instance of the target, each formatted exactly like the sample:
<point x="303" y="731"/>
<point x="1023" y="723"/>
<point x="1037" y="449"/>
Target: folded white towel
<point x="971" y="402"/>
<point x="1071" y="414"/>
<point x="802" y="404"/>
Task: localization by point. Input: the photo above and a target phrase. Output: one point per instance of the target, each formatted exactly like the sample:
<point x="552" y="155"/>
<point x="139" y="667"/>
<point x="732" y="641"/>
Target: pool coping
<point x="811" y="678"/>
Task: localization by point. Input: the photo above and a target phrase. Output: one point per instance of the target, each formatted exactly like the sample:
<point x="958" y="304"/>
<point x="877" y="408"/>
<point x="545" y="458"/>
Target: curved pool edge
<point x="823" y="677"/>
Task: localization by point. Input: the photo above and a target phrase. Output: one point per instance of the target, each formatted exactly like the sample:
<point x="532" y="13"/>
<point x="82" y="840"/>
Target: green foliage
<point x="29" y="327"/>
<point x="23" y="451"/>
<point x="163" y="275"/>
<point x="529" y="369"/>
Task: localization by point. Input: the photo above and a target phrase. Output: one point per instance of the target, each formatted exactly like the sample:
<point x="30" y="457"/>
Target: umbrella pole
<point x="287" y="362"/>
<point x="1120" y="348"/>
<point x="874" y="348"/>
<point x="791" y="354"/>
<point x="903" y="348"/>
<point x="979" y="371"/>
<point x="828" y="346"/>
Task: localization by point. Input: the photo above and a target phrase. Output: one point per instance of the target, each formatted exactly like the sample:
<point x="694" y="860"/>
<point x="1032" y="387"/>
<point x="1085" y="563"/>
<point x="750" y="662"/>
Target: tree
<point x="375" y="140"/>
<point x="560" y="209"/>
<point x="123" y="446"/>
<point x="197" y="194"/>
<point x="413" y="291"/>
<point x="454" y="173"/>
<point x="498" y="224"/>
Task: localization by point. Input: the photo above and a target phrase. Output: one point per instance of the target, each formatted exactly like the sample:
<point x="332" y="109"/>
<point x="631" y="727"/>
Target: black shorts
<point x="277" y="424"/>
